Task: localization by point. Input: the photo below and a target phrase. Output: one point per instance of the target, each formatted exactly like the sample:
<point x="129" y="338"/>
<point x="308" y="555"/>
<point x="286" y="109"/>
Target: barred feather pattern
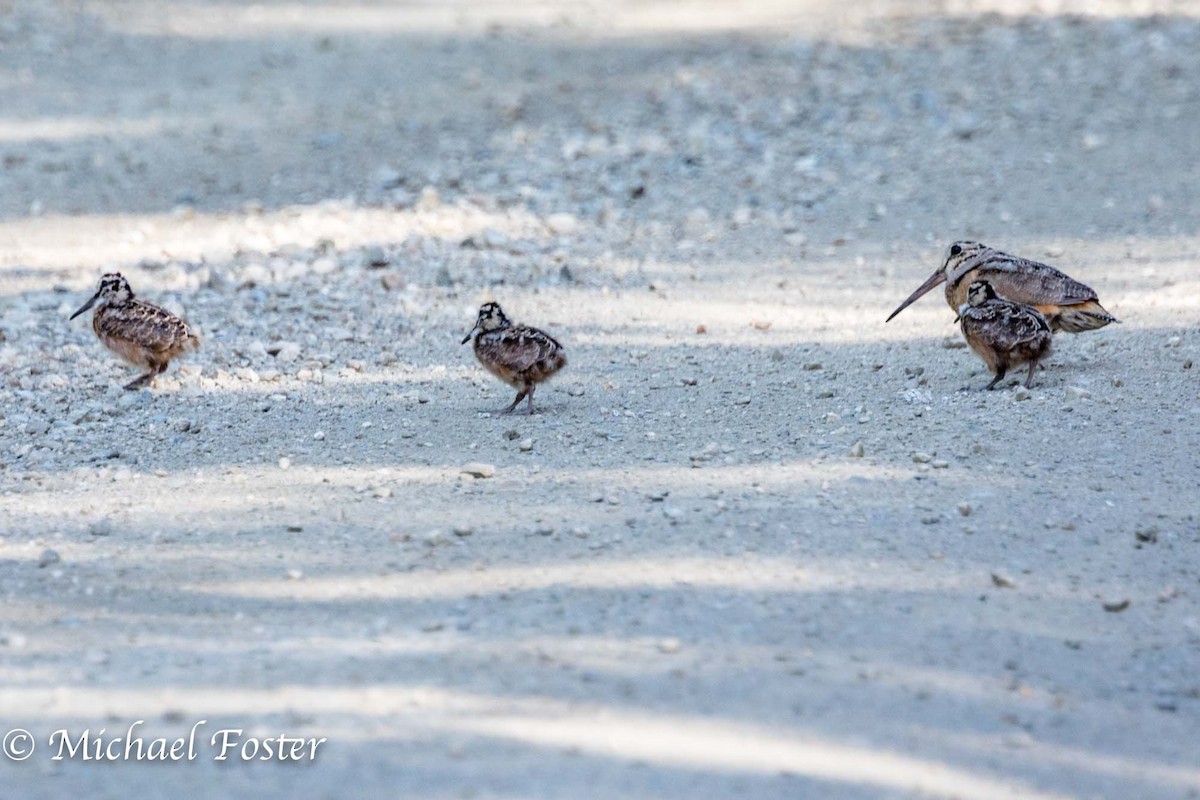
<point x="1067" y="304"/>
<point x="1003" y="333"/>
<point x="519" y="355"/>
<point x="143" y="334"/>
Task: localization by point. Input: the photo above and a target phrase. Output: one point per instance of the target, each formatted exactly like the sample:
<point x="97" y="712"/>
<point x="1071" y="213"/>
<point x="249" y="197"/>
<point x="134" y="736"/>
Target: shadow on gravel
<point x="501" y="670"/>
<point x="944" y="123"/>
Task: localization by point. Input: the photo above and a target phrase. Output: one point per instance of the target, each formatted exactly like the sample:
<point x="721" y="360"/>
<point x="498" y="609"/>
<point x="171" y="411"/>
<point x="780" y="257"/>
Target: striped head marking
<point x="979" y="293"/>
<point x="113" y="290"/>
<point x="961" y="258"/>
<point x="491" y="317"/>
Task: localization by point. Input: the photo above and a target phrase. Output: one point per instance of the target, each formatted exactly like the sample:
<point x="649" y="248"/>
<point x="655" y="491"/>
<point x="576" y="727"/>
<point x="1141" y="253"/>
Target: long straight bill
<point x="934" y="280"/>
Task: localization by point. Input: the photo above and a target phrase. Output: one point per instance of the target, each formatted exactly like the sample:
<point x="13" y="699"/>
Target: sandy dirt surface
<point x="757" y="543"/>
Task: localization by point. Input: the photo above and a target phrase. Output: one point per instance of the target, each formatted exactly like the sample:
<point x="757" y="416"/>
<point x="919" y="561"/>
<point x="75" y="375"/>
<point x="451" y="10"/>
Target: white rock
<point x="562" y="224"/>
<point x="493" y="238"/>
<point x="13" y="639"/>
<point x="288" y="351"/>
<point x="429" y="200"/>
<point x="477" y="469"/>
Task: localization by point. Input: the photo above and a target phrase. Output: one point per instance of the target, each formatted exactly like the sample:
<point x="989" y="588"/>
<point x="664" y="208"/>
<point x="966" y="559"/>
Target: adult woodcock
<point x="141" y="333"/>
<point x="1067" y="304"/>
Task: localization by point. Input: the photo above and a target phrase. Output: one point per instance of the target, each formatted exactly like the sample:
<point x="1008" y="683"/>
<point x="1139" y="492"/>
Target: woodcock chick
<point x="1067" y="304"/>
<point x="519" y="355"/>
<point x="1003" y="333"/>
<point x="141" y="333"/>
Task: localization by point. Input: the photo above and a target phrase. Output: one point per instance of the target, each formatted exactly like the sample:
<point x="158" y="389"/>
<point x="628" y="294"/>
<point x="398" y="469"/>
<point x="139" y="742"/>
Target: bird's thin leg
<point x="1029" y="378"/>
<point x="141" y="380"/>
<point x="520" y="397"/>
<point x="529" y="401"/>
<point x="999" y="377"/>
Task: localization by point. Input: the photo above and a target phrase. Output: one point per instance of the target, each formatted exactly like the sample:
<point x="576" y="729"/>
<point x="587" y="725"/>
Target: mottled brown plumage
<point x="1003" y="333"/>
<point x="1067" y="304"/>
<point x="141" y="333"/>
<point x="519" y="355"/>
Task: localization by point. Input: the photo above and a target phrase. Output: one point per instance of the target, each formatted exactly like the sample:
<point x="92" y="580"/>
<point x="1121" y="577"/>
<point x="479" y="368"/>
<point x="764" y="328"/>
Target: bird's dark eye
<point x="955" y="250"/>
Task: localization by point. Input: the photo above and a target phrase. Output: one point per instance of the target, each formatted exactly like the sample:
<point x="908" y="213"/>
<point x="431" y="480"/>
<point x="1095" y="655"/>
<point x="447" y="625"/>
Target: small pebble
<point x="374" y="257"/>
<point x="13" y="639"/>
<point x="478" y="470"/>
<point x="562" y="224"/>
<point x="1002" y="581"/>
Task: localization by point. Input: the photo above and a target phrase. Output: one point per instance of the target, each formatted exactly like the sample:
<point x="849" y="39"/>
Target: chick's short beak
<point x="86" y="305"/>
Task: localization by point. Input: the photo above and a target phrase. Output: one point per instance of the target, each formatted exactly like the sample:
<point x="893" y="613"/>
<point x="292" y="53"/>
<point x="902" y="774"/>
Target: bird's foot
<point x="140" y="382"/>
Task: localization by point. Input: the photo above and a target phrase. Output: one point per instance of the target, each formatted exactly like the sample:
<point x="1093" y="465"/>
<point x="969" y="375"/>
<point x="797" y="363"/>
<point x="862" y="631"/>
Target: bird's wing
<point x="521" y="348"/>
<point x="1006" y="325"/>
<point x="1033" y="283"/>
<point x="145" y="325"/>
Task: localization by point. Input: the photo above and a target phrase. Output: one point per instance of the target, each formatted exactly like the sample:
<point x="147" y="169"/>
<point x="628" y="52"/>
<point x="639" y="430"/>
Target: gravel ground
<point x="756" y="544"/>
